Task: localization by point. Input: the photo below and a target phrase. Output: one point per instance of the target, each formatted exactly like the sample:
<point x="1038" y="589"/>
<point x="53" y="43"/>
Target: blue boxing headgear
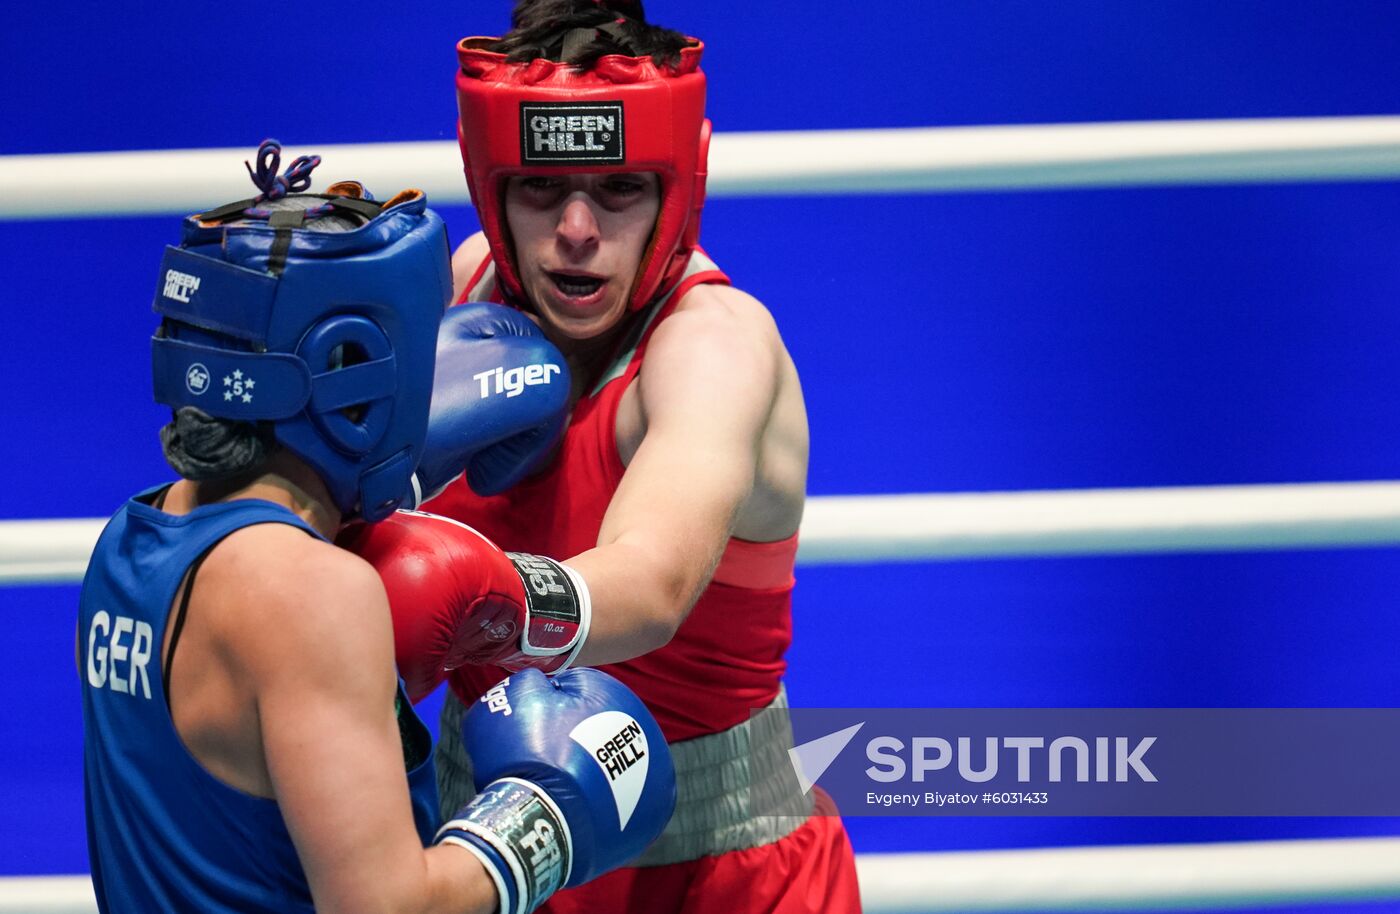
<point x="327" y="336"/>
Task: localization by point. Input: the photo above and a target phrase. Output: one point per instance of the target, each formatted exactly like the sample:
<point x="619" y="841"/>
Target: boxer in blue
<point x="247" y="744"/>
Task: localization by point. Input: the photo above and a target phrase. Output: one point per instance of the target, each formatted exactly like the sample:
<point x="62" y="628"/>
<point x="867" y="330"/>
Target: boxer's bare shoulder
<point x="750" y="315"/>
<point x="277" y="603"/>
<point x="717" y="369"/>
<point x="272" y="609"/>
<point x="466" y="260"/>
<point x="718" y="337"/>
<point x="291" y="586"/>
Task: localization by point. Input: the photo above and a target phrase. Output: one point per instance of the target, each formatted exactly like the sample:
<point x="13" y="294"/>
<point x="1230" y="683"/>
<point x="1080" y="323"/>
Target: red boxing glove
<point x="457" y="598"/>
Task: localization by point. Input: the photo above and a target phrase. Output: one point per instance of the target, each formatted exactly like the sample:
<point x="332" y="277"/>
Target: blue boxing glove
<point x="500" y="401"/>
<point x="575" y="779"/>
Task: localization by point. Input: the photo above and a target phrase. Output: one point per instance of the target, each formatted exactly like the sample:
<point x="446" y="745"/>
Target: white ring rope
<point x="1143" y="877"/>
<point x="789" y="162"/>
<point x="862" y="529"/>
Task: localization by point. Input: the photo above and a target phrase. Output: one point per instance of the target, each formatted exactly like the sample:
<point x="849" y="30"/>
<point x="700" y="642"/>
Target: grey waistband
<point x="721" y="779"/>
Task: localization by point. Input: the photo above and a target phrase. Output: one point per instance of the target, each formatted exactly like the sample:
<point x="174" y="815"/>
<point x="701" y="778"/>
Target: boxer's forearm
<point x="442" y="880"/>
<point x="639" y="599"/>
<point x="457" y="882"/>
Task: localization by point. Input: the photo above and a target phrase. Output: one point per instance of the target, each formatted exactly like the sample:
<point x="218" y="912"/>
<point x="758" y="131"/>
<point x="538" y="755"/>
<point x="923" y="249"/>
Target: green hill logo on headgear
<point x="569" y="134"/>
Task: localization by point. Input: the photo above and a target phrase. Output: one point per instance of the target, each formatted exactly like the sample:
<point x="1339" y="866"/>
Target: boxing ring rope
<point x="181" y="181"/>
<point x="1143" y="877"/>
<point x="843" y="529"/>
<point x="914" y="528"/>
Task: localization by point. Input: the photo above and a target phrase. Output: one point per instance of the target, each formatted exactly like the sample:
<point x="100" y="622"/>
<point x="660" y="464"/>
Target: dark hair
<point x="202" y="448"/>
<point x="581" y="31"/>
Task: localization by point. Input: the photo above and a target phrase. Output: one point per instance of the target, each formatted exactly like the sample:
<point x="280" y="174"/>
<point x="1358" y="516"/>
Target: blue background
<point x="975" y="341"/>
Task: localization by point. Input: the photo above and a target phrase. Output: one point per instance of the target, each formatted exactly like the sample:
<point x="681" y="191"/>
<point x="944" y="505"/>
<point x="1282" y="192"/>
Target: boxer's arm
<point x="707" y="388"/>
<point x="325" y="691"/>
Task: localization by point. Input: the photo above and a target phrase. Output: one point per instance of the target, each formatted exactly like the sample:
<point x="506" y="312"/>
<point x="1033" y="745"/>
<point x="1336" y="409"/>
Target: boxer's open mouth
<point x="576" y="285"/>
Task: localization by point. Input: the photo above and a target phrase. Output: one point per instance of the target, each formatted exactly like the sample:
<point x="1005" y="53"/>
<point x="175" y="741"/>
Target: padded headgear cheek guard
<point x="625" y="115"/>
<point x="328" y="336"/>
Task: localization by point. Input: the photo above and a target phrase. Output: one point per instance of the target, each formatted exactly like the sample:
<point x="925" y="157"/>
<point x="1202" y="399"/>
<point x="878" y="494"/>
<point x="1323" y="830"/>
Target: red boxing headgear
<point x="625" y="114"/>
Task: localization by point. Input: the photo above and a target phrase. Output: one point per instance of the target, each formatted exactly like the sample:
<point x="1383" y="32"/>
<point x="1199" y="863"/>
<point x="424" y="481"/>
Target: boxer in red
<point x="672" y="499"/>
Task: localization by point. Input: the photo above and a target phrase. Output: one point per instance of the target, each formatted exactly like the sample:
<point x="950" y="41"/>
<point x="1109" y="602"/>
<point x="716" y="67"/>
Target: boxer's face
<point x="579" y="240"/>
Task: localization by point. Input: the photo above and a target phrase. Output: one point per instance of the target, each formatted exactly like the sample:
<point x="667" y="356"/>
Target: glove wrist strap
<point x="558" y="608"/>
<point x="520" y="836"/>
<point x="585" y="615"/>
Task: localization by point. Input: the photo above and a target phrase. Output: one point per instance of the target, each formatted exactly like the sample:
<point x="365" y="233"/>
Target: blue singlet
<point x="163" y="833"/>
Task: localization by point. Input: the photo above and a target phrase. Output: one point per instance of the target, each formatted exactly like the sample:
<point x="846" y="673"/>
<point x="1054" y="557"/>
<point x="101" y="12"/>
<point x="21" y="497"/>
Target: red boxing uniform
<point x="725" y="660"/>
